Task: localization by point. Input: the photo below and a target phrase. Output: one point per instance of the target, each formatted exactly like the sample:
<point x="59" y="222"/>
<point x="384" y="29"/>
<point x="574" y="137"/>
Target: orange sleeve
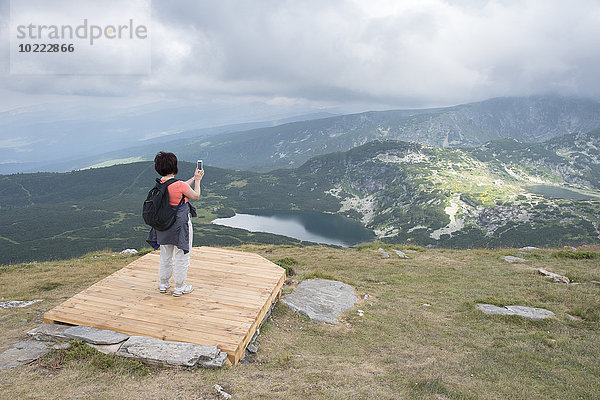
<point x="176" y="190"/>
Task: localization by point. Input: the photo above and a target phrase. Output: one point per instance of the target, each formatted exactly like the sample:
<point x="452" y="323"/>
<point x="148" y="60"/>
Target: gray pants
<point x="174" y="262"/>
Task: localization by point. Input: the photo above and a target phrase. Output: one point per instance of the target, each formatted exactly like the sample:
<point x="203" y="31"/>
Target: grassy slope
<point x="399" y="349"/>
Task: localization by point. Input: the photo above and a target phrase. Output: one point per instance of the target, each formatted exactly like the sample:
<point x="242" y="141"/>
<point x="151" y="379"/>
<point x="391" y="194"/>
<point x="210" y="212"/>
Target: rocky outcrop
<point x="321" y="300"/>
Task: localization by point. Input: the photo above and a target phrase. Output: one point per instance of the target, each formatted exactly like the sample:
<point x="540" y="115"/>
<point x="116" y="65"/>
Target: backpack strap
<point x="167" y="183"/>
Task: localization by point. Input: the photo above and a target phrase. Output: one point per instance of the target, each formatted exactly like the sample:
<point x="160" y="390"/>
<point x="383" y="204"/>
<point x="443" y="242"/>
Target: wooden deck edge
<point x="276" y="294"/>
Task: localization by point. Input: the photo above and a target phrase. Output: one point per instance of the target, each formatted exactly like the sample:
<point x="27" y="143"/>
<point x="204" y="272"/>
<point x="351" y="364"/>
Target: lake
<point x="555" y="192"/>
<point x="313" y="227"/>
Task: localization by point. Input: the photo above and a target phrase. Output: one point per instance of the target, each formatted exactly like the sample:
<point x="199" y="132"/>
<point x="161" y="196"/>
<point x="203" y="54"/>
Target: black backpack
<point x="157" y="212"/>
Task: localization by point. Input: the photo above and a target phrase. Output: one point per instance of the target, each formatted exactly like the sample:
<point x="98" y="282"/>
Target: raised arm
<point x="194" y="194"/>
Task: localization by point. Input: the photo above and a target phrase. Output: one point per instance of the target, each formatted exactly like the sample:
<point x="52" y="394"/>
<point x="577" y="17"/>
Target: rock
<point x="411" y="251"/>
<point x="426" y="305"/>
<point x="163" y="352"/>
<point x="220" y="390"/>
<point x="512" y="259"/>
<point x="595" y="283"/>
<point x="252" y="348"/>
<point x="384" y="253"/>
<point x="17" y="304"/>
<point x="128" y="251"/>
<point x="366" y="296"/>
<point x="360" y="313"/>
<point x="23" y="353"/>
<point x="555" y="277"/>
<point x="522" y="311"/>
<point x="400" y="254"/>
<point x="321" y="300"/>
<point x="88" y="334"/>
<point x="528" y="248"/>
<point x="50" y="332"/>
<point x="106" y="348"/>
<point x="530" y="312"/>
<point x="574" y="318"/>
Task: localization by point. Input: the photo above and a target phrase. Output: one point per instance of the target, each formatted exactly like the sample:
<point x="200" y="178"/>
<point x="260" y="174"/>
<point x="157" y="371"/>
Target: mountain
<point x="530" y="119"/>
<point x="66" y="136"/>
<point x="504" y="193"/>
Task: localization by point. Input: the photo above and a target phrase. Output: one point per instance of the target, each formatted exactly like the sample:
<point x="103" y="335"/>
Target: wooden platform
<point x="233" y="291"/>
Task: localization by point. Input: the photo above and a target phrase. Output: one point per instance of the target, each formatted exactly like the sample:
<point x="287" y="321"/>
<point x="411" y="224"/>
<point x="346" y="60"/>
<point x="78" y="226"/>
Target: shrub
<point x="286" y="263"/>
<point x="576" y="255"/>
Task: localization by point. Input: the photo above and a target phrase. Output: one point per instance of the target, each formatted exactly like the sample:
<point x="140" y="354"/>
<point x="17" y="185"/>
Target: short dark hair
<point x="165" y="163"/>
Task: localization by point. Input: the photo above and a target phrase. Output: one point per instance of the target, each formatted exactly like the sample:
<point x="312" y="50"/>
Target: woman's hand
<point x="198" y="174"/>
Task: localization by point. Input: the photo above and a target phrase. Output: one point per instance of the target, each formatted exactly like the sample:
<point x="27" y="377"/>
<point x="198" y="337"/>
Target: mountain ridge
<point x="504" y="193"/>
<point x="527" y="119"/>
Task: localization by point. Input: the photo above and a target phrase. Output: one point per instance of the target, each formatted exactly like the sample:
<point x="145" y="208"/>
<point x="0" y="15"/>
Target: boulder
<point x="528" y="248"/>
<point x="384" y="254"/>
<point x="321" y="300"/>
<point x="129" y="251"/>
<point x="400" y="254"/>
<point x="521" y="311"/>
<point x="530" y="312"/>
<point x="88" y="334"/>
<point x="555" y="277"/>
<point x="163" y="352"/>
<point x="491" y="309"/>
<point x="512" y="259"/>
<point x="23" y="353"/>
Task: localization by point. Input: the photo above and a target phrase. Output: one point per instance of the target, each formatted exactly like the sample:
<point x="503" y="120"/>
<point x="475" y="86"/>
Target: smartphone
<point x="199" y="165"/>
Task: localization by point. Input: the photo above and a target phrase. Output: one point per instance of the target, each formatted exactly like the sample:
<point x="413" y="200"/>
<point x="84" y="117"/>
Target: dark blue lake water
<point x="555" y="192"/>
<point x="313" y="227"/>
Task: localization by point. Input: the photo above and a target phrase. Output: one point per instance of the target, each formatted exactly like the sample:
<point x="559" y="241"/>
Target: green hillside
<point x="526" y="119"/>
<point x="504" y="193"/>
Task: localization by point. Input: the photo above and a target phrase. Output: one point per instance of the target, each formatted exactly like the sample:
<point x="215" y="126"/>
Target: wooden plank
<point x="226" y="284"/>
<point x="218" y="316"/>
<point x="133" y="318"/>
<point x="202" y="292"/>
<point x="225" y="302"/>
<point x="163" y="314"/>
<point x="224" y="287"/>
<point x="208" y="274"/>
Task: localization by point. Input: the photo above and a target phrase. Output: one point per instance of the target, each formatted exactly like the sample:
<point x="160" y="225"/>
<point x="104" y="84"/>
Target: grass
<point x="398" y="349"/>
<point x="575" y="255"/>
<point x="88" y="357"/>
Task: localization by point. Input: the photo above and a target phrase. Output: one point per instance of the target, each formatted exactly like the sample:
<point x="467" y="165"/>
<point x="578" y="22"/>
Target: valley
<point x="405" y="192"/>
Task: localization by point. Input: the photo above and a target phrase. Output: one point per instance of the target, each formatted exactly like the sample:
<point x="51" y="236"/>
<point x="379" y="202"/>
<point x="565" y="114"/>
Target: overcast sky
<point x="343" y="53"/>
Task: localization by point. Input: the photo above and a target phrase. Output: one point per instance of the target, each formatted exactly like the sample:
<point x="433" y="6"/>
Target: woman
<point x="176" y="242"/>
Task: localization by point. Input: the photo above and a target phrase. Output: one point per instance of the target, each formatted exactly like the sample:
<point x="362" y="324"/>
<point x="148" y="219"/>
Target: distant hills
<point x="502" y="193"/>
<point x="527" y="119"/>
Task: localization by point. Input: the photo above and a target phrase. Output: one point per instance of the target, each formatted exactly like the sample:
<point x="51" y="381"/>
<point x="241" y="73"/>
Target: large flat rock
<point x="521" y="311"/>
<point x="17" y="304"/>
<point x="94" y="335"/>
<point x="321" y="300"/>
<point x="50" y="332"/>
<point x="164" y="352"/>
<point x="23" y="353"/>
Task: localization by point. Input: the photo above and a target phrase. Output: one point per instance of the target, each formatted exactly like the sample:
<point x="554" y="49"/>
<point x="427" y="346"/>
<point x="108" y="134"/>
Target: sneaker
<point x="164" y="286"/>
<point x="182" y="290"/>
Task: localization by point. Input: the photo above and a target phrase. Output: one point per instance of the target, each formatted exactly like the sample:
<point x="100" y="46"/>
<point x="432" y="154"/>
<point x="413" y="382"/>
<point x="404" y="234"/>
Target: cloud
<point x="408" y="53"/>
